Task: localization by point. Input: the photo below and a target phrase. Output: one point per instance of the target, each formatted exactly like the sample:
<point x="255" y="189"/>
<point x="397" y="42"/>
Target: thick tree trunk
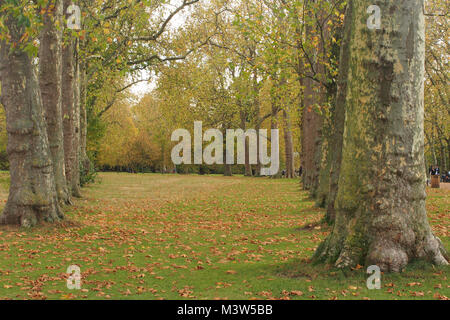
<point x="288" y="146"/>
<point x="338" y="116"/>
<point x="32" y="194"/>
<point x="312" y="121"/>
<point x="311" y="136"/>
<point x="70" y="115"/>
<point x="324" y="175"/>
<point x="50" y="73"/>
<point x="380" y="206"/>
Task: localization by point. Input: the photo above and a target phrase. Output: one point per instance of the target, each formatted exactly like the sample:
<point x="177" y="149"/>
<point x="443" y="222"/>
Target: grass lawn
<point x="204" y="237"/>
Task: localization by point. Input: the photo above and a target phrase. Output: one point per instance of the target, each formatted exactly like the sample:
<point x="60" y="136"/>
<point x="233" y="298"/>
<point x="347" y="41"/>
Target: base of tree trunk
<point x="390" y="242"/>
<point x="28" y="216"/>
<point x="76" y="192"/>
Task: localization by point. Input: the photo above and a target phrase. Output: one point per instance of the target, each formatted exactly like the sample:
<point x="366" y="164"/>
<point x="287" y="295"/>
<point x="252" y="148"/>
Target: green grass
<point x="205" y="237"/>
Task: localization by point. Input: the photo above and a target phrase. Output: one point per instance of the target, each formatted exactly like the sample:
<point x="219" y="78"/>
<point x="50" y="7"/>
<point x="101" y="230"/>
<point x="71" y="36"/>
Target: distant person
<point x="435" y="171"/>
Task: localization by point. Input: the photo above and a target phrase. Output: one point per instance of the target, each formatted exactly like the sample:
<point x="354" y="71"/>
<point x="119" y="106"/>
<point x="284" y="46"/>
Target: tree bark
<point x="311" y="135"/>
<point x="227" y="171"/>
<point x="76" y="123"/>
<point x="338" y="116"/>
<point x="248" y="166"/>
<point x="325" y="166"/>
<point x="50" y="76"/>
<point x="380" y="206"/>
<point x="69" y="106"/>
<point x="84" y="159"/>
<point x="32" y="194"/>
<point x="312" y="121"/>
<point x="288" y="146"/>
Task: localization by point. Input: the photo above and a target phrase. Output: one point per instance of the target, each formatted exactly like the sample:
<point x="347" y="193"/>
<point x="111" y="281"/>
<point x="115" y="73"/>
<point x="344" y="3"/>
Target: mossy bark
<point x="338" y="117"/>
<point x="32" y="194"/>
<point x="288" y="145"/>
<point x="70" y="113"/>
<point x="380" y="205"/>
<point x="324" y="176"/>
<point x="50" y="76"/>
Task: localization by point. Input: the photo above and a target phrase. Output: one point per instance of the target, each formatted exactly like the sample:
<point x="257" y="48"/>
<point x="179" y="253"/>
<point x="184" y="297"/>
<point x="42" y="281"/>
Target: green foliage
<point x="88" y="173"/>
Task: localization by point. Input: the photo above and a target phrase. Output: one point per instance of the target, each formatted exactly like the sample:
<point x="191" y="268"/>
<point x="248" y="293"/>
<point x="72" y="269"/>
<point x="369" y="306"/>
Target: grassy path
<point x="205" y="237"/>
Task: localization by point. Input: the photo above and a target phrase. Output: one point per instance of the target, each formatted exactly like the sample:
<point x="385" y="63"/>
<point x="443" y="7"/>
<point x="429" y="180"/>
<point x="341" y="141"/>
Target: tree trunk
<point x="312" y="121"/>
<point x="32" y="194"/>
<point x="69" y="114"/>
<point x="324" y="175"/>
<point x="84" y="159"/>
<point x="288" y="146"/>
<point x="50" y="73"/>
<point x="338" y="116"/>
<point x="227" y="172"/>
<point x="248" y="166"/>
<point x="76" y="123"/>
<point x="380" y="206"/>
<point x="443" y="156"/>
<point x="311" y="127"/>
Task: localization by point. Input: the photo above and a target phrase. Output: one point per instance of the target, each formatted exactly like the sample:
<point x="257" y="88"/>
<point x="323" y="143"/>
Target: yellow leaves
<point x="265" y="293"/>
<point x="296" y="293"/>
<point x="67" y="296"/>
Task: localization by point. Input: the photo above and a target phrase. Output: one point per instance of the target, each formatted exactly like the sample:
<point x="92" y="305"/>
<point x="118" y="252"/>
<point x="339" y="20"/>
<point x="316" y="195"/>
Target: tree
<point x="50" y="73"/>
<point x="70" y="109"/>
<point x="380" y="206"/>
<point x="32" y="195"/>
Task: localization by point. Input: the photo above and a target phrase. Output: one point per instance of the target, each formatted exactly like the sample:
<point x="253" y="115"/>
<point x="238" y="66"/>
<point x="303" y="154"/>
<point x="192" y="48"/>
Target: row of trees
<point x="349" y="98"/>
<point x="63" y="62"/>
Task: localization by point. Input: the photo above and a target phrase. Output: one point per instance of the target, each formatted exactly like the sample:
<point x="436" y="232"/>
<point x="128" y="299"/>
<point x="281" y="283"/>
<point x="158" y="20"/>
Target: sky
<point x="141" y="88"/>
